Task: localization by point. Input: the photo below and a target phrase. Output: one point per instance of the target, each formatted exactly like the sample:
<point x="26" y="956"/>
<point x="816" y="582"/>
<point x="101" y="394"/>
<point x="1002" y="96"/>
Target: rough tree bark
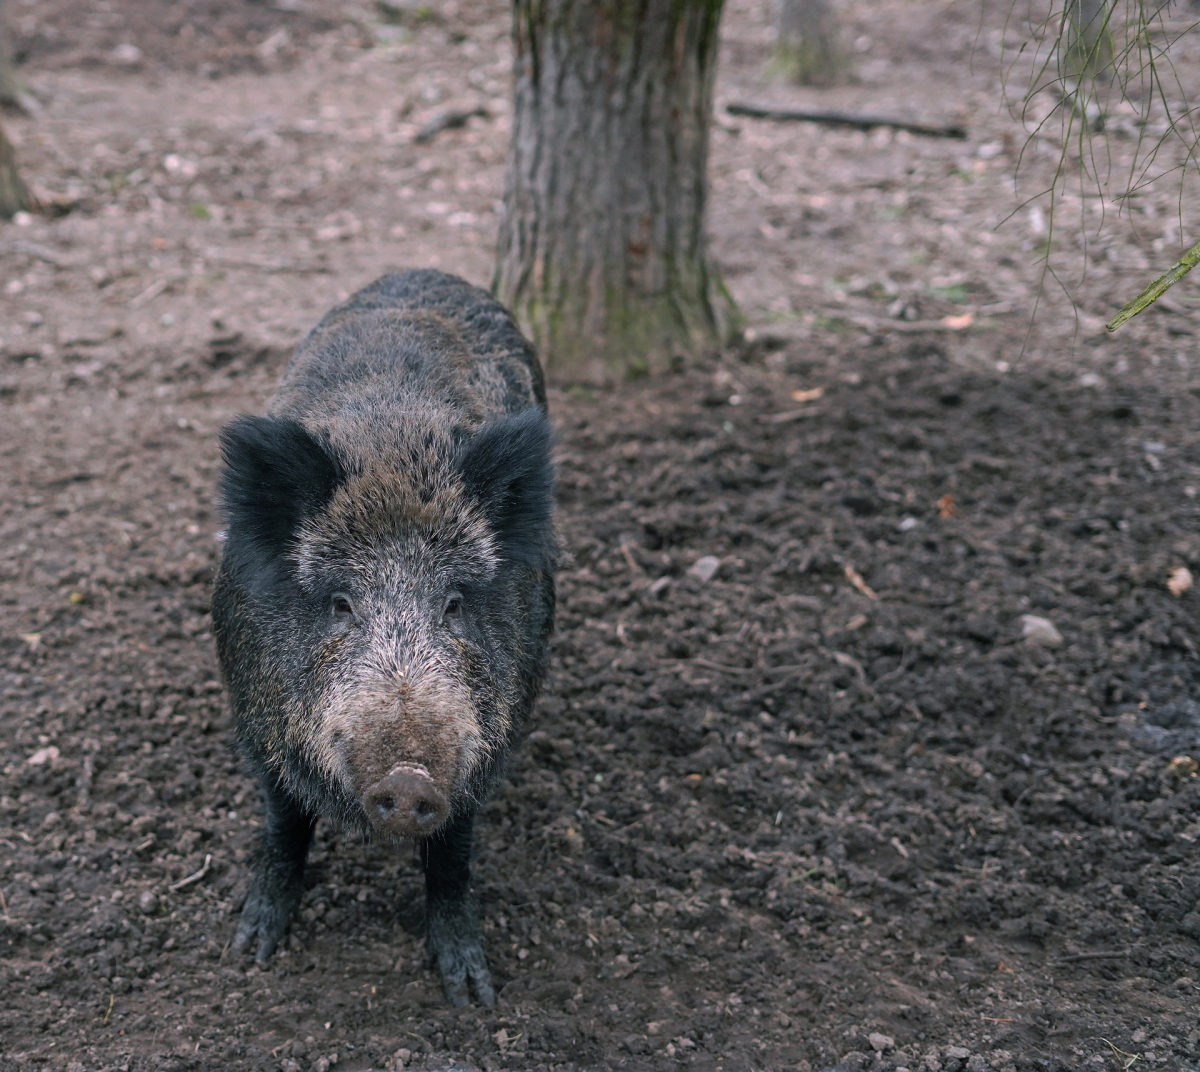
<point x="808" y="42"/>
<point x="14" y="197"/>
<point x="602" y="253"/>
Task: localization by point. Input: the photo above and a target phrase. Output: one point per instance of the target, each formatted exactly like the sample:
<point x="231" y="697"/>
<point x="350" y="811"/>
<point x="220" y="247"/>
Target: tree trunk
<point x="808" y="42"/>
<point x="1088" y="39"/>
<point x="14" y="197"/>
<point x="602" y="254"/>
<point x="13" y="93"/>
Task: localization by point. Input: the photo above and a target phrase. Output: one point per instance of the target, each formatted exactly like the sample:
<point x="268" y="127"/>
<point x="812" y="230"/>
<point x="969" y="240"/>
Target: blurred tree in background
<point x="808" y="43"/>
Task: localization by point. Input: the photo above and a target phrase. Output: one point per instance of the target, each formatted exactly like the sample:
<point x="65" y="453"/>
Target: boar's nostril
<point x="406" y="803"/>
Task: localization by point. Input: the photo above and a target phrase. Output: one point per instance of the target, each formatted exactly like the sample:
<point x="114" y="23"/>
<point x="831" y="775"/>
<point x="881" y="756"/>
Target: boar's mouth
<point x="405" y="802"/>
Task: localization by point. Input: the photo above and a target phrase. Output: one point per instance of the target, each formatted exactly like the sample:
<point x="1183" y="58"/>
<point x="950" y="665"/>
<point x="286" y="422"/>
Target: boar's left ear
<point x="507" y="469"/>
<point x="276" y="474"/>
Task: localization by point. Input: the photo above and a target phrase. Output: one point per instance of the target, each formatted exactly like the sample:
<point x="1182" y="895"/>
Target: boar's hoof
<point x="406" y="803"/>
<point x="264" y="919"/>
<point x="459" y="962"/>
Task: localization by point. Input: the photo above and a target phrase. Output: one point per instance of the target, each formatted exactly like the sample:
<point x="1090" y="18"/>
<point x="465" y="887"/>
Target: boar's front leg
<point x="277" y="879"/>
<point x="452" y="936"/>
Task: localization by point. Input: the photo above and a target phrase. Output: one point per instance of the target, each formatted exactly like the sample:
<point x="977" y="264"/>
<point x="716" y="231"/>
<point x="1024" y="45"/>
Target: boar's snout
<point x="406" y="803"/>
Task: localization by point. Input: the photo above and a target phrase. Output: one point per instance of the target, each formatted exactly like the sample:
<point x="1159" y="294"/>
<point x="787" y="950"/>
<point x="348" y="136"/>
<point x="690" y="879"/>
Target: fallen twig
<point x="149" y="294"/>
<point x="851" y="663"/>
<point x="1117" y="954"/>
<point x="42" y="253"/>
<point x="860" y="120"/>
<point x="193" y="877"/>
<point x="789" y="415"/>
<point x="450" y="120"/>
<point x="856" y="579"/>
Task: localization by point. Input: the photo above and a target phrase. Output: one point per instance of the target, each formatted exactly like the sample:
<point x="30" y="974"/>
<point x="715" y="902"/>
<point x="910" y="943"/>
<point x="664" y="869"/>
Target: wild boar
<point x="386" y="592"/>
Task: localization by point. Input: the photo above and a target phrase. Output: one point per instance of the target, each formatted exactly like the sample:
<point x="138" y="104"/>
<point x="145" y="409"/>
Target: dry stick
<point x="1157" y="289"/>
<point x="451" y="120"/>
<point x="1115" y="955"/>
<point x="149" y="294"/>
<point x="789" y="415"/>
<point x="861" y="120"/>
<point x="36" y="249"/>
<point x="196" y="877"/>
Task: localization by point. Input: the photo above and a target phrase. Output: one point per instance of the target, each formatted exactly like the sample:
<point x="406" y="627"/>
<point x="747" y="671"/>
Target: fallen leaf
<point x="43" y="755"/>
<point x="958" y="323"/>
<point x="1183" y="767"/>
<point x="855" y="578"/>
<point x="1180" y="581"/>
<point x="810" y="395"/>
<point x="947" y="507"/>
<point x="1040" y="631"/>
<point x="705" y="569"/>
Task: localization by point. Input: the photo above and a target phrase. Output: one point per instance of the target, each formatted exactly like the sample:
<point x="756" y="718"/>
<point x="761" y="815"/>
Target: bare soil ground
<point x="828" y="806"/>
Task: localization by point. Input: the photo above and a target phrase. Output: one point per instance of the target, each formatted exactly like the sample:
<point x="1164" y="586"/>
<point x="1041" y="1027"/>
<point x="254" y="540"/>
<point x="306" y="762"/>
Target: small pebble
<point x="1180" y="581"/>
<point x="705" y="569"/>
<point x="1040" y="631"/>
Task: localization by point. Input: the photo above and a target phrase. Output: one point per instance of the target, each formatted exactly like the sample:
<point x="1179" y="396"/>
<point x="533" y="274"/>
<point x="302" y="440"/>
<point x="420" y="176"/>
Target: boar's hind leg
<point x="452" y="936"/>
<point x="277" y="882"/>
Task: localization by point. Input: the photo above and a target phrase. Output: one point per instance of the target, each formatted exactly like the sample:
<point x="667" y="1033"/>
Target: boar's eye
<point x="453" y="606"/>
<point x="340" y="605"/>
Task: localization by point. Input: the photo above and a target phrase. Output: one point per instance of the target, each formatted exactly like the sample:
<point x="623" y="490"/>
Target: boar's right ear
<point x="276" y="475"/>
<point x="507" y="469"/>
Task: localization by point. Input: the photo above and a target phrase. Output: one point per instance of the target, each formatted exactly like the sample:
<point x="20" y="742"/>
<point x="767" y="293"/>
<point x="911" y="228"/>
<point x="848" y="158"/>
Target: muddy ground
<point x="828" y="805"/>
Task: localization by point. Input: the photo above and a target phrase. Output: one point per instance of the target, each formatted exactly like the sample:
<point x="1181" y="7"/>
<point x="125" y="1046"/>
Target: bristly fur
<point x="404" y="468"/>
<point x="276" y="475"/>
<point x="407" y="452"/>
<point x="507" y="469"/>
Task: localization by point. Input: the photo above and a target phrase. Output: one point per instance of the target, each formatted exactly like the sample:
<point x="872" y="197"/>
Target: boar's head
<point x="381" y="607"/>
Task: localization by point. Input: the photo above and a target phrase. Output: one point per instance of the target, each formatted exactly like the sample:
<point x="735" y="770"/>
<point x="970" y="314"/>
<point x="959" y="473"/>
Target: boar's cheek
<point x="276" y="475"/>
<point x="507" y="469"/>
